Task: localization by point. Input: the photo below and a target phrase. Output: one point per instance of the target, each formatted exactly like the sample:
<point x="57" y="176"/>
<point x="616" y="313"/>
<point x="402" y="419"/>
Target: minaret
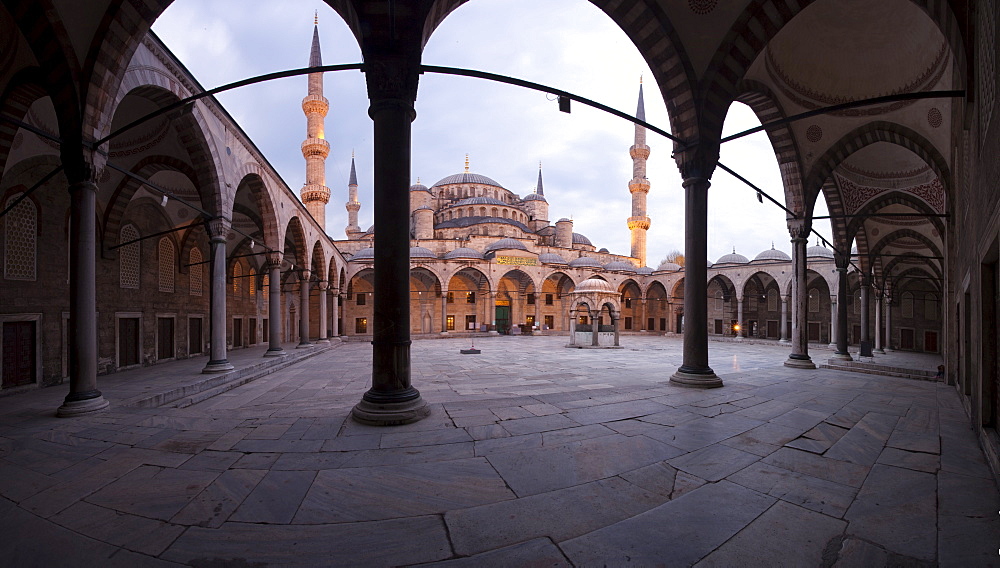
<point x="315" y="193"/>
<point x="638" y="223"/>
<point x="353" y="205"/>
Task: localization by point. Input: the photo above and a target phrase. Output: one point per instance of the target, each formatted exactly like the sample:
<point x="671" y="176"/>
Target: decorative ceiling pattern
<point x="856" y="196"/>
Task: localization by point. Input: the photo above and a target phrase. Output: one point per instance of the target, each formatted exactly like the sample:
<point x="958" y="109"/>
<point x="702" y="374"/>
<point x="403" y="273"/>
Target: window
<point x="253" y="282"/>
<point x="531" y="299"/>
<point x="19" y="238"/>
<point x="266" y="284"/>
<point x="628" y="323"/>
<point x="907" y="305"/>
<point x="128" y="258"/>
<point x="361" y="300"/>
<point x="470" y="298"/>
<point x="470" y="322"/>
<point x="628" y="303"/>
<point x="582" y="320"/>
<point x="772" y="300"/>
<point x="814" y="301"/>
<point x="166" y="265"/>
<point x="451" y="297"/>
<point x="530" y="320"/>
<point x="663" y="324"/>
<point x="857" y="303"/>
<point x="550" y="322"/>
<point x="361" y="325"/>
<point x="930" y="307"/>
<point x="196" y="273"/>
<point x="548" y="299"/>
<point x="650" y="324"/>
<point x="449" y="324"/>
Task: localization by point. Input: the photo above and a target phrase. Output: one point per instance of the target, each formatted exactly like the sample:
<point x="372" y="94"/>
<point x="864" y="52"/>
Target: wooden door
<point x="128" y="342"/>
<point x="813" y="330"/>
<point x="906" y="338"/>
<point x="237" y="332"/>
<point x="772" y="329"/>
<point x="18" y="353"/>
<point x="253" y="331"/>
<point x="164" y="338"/>
<point x="930" y="341"/>
<point x="194" y="336"/>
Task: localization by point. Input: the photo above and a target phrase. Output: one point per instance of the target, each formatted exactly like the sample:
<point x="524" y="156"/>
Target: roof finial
<point x="640" y="78"/>
<point x="352" y="153"/>
<point x="772" y="245"/>
<point x="467" y="162"/>
<point x="316" y="21"/>
<point x="734" y="249"/>
<point x="418" y="179"/>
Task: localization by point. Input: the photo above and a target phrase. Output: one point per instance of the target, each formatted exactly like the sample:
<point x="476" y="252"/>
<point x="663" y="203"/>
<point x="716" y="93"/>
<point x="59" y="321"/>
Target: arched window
<point x="470" y="213"/>
<point x="128" y="258"/>
<point x="907" y="305"/>
<point x="857" y="302"/>
<point x="20" y="238"/>
<point x="930" y="307"/>
<point x="814" y="300"/>
<point x="266" y="285"/>
<point x="482" y="211"/>
<point x="237" y="276"/>
<point x="253" y="282"/>
<point x="166" y="265"/>
<point x="504" y="213"/>
<point x="493" y="212"/>
<point x="195" y="272"/>
<point x="772" y="300"/>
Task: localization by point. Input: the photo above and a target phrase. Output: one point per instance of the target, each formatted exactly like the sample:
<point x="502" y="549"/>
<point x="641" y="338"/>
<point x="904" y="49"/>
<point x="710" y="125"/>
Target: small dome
<point x="603" y="250"/>
<point x="419" y="187"/>
<point x="733" y="258"/>
<point x="644" y="271"/>
<point x="371" y="230"/>
<point x="818" y="252"/>
<point x="772" y="254"/>
<point x="464" y="252"/>
<point x="564" y="220"/>
<point x="551" y="258"/>
<point x="365" y="254"/>
<point x="671" y="266"/>
<point x="467" y="177"/>
<point x="579" y="239"/>
<point x="585" y="262"/>
<point x="421" y="252"/>
<point x="620" y="266"/>
<point x="535" y="197"/>
<point x="425" y="208"/>
<point x="480" y="201"/>
<point x="595" y="285"/>
<point x="507" y="243"/>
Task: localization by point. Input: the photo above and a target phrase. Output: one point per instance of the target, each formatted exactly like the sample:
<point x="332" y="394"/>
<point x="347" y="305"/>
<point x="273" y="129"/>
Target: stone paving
<point x="534" y="455"/>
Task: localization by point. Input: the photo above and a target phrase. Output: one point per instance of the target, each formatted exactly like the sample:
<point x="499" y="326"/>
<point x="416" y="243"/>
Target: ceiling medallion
<point x="814" y="133"/>
<point x="934" y="117"/>
<point x="702" y="7"/>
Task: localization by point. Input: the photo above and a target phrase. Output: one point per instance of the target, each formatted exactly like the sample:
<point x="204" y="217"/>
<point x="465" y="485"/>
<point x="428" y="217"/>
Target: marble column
<point x="444" y="311"/>
<point x="616" y="321"/>
<point x="304" y="309"/>
<point x="888" y="325"/>
<point x="84" y="396"/>
<point x="594" y="326"/>
<point x="694" y="371"/>
<point x="783" y="325"/>
<point x="335" y="313"/>
<point x="538" y="313"/>
<point x="391" y="78"/>
<point x="218" y="231"/>
<point x="878" y="323"/>
<point x="274" y="306"/>
<point x="833" y="323"/>
<point x="799" y="356"/>
<point x="322" y="286"/>
<point x="643" y="323"/>
<point x="572" y="327"/>
<point x="740" y="333"/>
<point x="841" y="332"/>
<point x="865" y="314"/>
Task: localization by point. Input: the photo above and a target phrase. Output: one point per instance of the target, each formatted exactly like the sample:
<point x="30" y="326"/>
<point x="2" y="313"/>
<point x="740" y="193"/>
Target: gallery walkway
<point x="533" y="455"/>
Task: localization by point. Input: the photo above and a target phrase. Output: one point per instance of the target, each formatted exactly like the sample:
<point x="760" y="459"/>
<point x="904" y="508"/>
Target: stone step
<point x="878" y="369"/>
<point x="204" y="387"/>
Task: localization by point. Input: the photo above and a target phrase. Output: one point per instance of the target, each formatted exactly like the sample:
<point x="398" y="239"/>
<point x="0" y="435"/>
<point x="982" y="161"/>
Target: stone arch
<point x="911" y="258"/>
<point x="294" y="249"/>
<point x="894" y="197"/>
<point x="888" y="239"/>
<point x="425" y="290"/>
<point x="22" y="91"/>
<point x="252" y="178"/>
<point x="318" y="262"/>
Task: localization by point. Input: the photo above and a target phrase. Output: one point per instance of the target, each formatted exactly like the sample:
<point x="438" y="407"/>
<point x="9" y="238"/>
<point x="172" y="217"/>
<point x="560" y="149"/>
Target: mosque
<point x="178" y="239"/>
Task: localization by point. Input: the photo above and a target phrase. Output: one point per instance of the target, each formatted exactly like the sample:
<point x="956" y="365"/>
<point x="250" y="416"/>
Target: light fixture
<point x="251" y="244"/>
<point x="163" y="202"/>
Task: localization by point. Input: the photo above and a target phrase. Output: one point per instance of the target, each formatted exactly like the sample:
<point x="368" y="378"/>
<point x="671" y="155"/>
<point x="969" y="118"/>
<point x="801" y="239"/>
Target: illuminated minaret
<point x="315" y="193"/>
<point x="638" y="223"/>
<point x="353" y="205"/>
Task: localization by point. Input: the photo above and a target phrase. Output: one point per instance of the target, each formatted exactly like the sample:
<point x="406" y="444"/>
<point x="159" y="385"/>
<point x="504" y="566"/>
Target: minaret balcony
<point x="638" y="223"/>
<point x="312" y="193"/>
<point x="637" y="185"/>
<point x="639" y="152"/>
<point x="315" y="103"/>
<point x="353" y="206"/>
<point x="315" y="147"/>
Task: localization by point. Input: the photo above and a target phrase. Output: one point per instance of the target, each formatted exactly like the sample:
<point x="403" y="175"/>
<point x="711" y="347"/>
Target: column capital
<point x="322" y="285"/>
<point x="798" y="229"/>
<point x="81" y="164"/>
<point x="273" y="259"/>
<point x="305" y="273"/>
<point x="697" y="160"/>
<point x="218" y="228"/>
<point x="391" y="79"/>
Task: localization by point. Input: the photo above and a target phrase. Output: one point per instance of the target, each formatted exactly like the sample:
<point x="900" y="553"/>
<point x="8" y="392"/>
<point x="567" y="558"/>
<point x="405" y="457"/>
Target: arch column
<point x="594" y="327"/>
<point x="444" y="311"/>
<point x="335" y="313"/>
<point x="616" y="321"/>
<point x="572" y="326"/>
<point x="841" y="332"/>
<point x="304" y="309"/>
<point x="694" y="371"/>
<point x="740" y="333"/>
<point x="392" y="88"/>
<point x="833" y="322"/>
<point x="322" y="286"/>
<point x="878" y="324"/>
<point x="865" y="313"/>
<point x="218" y="231"/>
<point x="84" y="396"/>
<point x="783" y="331"/>
<point x="888" y="324"/>
<point x="799" y="356"/>
<point x="274" y="348"/>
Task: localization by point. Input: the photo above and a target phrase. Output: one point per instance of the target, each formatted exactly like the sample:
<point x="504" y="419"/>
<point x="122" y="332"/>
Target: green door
<point x="503" y="319"/>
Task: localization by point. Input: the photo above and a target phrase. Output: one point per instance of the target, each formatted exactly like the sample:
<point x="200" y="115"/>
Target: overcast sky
<point x="506" y="130"/>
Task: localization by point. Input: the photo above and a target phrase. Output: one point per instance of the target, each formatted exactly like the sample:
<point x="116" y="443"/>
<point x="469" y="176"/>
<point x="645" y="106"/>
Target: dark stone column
<point x="594" y="327"/>
<point x="335" y="313"/>
<point x="695" y="372"/>
<point x="784" y="319"/>
<point x="444" y="311"/>
<point x="866" y="280"/>
<point x="888" y="324"/>
<point x="322" y="286"/>
<point x="842" y="352"/>
<point x="274" y="306"/>
<point x="218" y="231"/>
<point x="878" y="323"/>
<point x="800" y="339"/>
<point x="304" y="309"/>
<point x="392" y="89"/>
<point x="83" y="397"/>
<point x="740" y="333"/>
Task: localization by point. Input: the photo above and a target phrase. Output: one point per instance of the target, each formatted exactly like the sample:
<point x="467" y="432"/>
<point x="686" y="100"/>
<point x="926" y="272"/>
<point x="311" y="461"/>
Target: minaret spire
<point x="638" y="223"/>
<point x="315" y="149"/>
<point x="353" y="205"/>
<point x="538" y="188"/>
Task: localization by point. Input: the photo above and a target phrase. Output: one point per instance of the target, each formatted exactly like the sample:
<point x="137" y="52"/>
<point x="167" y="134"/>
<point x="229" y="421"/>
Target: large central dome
<point x="467" y="178"/>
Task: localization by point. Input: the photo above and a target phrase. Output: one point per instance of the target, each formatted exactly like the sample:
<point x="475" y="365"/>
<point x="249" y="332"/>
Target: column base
<point x="880" y="351"/>
<point x="800" y="362"/>
<point x="303" y="345"/>
<point x="279" y="352"/>
<point x="390" y="413"/>
<point x="707" y="380"/>
<point x="218" y="366"/>
<point x="842" y="357"/>
<point x="323" y="341"/>
<point x="784" y="341"/>
<point x="83" y="407"/>
<point x="832" y="347"/>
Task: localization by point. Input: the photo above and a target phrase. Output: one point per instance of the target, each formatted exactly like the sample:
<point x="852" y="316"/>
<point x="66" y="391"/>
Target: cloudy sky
<point x="506" y="130"/>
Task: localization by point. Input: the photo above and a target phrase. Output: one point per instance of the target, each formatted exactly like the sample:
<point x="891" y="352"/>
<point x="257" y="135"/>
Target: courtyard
<point x="533" y="454"/>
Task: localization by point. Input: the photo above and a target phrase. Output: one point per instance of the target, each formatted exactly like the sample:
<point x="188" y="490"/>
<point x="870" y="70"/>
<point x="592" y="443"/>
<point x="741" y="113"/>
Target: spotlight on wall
<point x="163" y="202"/>
<point x="251" y="244"/>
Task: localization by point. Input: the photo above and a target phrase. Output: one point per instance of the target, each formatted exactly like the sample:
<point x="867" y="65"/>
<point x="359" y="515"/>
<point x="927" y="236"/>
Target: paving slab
<point x="714" y="462"/>
<point x="897" y="509"/>
<point x="807" y="491"/>
<point x="537" y="553"/>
